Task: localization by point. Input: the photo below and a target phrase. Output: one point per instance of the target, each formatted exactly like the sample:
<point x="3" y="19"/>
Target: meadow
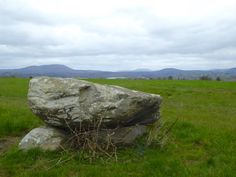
<point x="202" y="142"/>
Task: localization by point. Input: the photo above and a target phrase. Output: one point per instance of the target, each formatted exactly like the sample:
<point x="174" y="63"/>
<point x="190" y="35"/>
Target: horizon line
<point x="137" y="69"/>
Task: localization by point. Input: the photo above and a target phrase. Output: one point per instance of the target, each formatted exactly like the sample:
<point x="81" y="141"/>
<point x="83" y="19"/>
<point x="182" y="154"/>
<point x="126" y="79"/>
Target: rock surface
<point x="46" y="138"/>
<point x="62" y="102"/>
<point x="123" y="135"/>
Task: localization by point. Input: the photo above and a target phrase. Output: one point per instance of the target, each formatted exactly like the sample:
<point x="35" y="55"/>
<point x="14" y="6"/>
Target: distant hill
<point x="142" y="69"/>
<point x="64" y="71"/>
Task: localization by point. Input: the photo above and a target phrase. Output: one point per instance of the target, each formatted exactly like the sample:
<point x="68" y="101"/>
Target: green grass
<point x="202" y="143"/>
<point x="15" y="116"/>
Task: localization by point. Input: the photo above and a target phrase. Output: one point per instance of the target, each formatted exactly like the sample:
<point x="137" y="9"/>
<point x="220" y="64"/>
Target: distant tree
<point x="170" y="78"/>
<point x="218" y="78"/>
<point x="205" y="78"/>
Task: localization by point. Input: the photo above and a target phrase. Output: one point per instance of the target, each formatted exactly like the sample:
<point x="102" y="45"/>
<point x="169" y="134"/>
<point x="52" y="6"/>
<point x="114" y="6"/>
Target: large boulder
<point x="65" y="102"/>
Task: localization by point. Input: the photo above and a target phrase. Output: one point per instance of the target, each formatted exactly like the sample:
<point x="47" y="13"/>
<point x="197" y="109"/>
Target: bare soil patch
<point x="7" y="142"/>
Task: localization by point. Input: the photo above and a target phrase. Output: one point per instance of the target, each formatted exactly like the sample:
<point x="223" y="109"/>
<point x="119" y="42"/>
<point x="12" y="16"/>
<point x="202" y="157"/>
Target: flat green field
<point x="202" y="142"/>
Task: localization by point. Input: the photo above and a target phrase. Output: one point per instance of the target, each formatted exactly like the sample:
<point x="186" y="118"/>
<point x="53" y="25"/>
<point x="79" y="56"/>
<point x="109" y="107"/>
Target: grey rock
<point x="46" y="138"/>
<point x="70" y="102"/>
<point x="123" y="135"/>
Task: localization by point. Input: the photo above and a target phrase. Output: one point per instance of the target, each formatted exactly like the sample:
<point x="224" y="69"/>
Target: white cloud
<point x="118" y="35"/>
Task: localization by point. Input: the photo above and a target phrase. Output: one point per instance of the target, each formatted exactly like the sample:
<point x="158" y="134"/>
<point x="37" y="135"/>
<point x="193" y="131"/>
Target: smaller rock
<point x="123" y="135"/>
<point x="45" y="137"/>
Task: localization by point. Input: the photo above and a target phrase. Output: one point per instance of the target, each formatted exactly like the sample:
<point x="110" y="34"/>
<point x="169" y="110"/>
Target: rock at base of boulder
<point x="45" y="137"/>
<point x="51" y="138"/>
<point x="121" y="136"/>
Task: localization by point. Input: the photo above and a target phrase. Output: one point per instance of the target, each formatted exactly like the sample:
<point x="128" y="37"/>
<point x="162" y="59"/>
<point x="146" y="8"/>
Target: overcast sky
<point x="118" y="34"/>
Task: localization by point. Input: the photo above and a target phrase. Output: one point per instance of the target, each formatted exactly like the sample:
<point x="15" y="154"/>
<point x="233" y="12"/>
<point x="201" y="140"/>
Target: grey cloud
<point x="13" y="12"/>
<point x="198" y="38"/>
<point x="28" y="36"/>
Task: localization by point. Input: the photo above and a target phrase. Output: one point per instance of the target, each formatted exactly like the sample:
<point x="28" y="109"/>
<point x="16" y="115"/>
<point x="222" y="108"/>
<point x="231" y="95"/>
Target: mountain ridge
<point x="58" y="70"/>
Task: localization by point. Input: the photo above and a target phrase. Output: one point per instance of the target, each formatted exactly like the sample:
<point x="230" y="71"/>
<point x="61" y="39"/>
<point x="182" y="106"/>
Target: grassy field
<point x="202" y="143"/>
